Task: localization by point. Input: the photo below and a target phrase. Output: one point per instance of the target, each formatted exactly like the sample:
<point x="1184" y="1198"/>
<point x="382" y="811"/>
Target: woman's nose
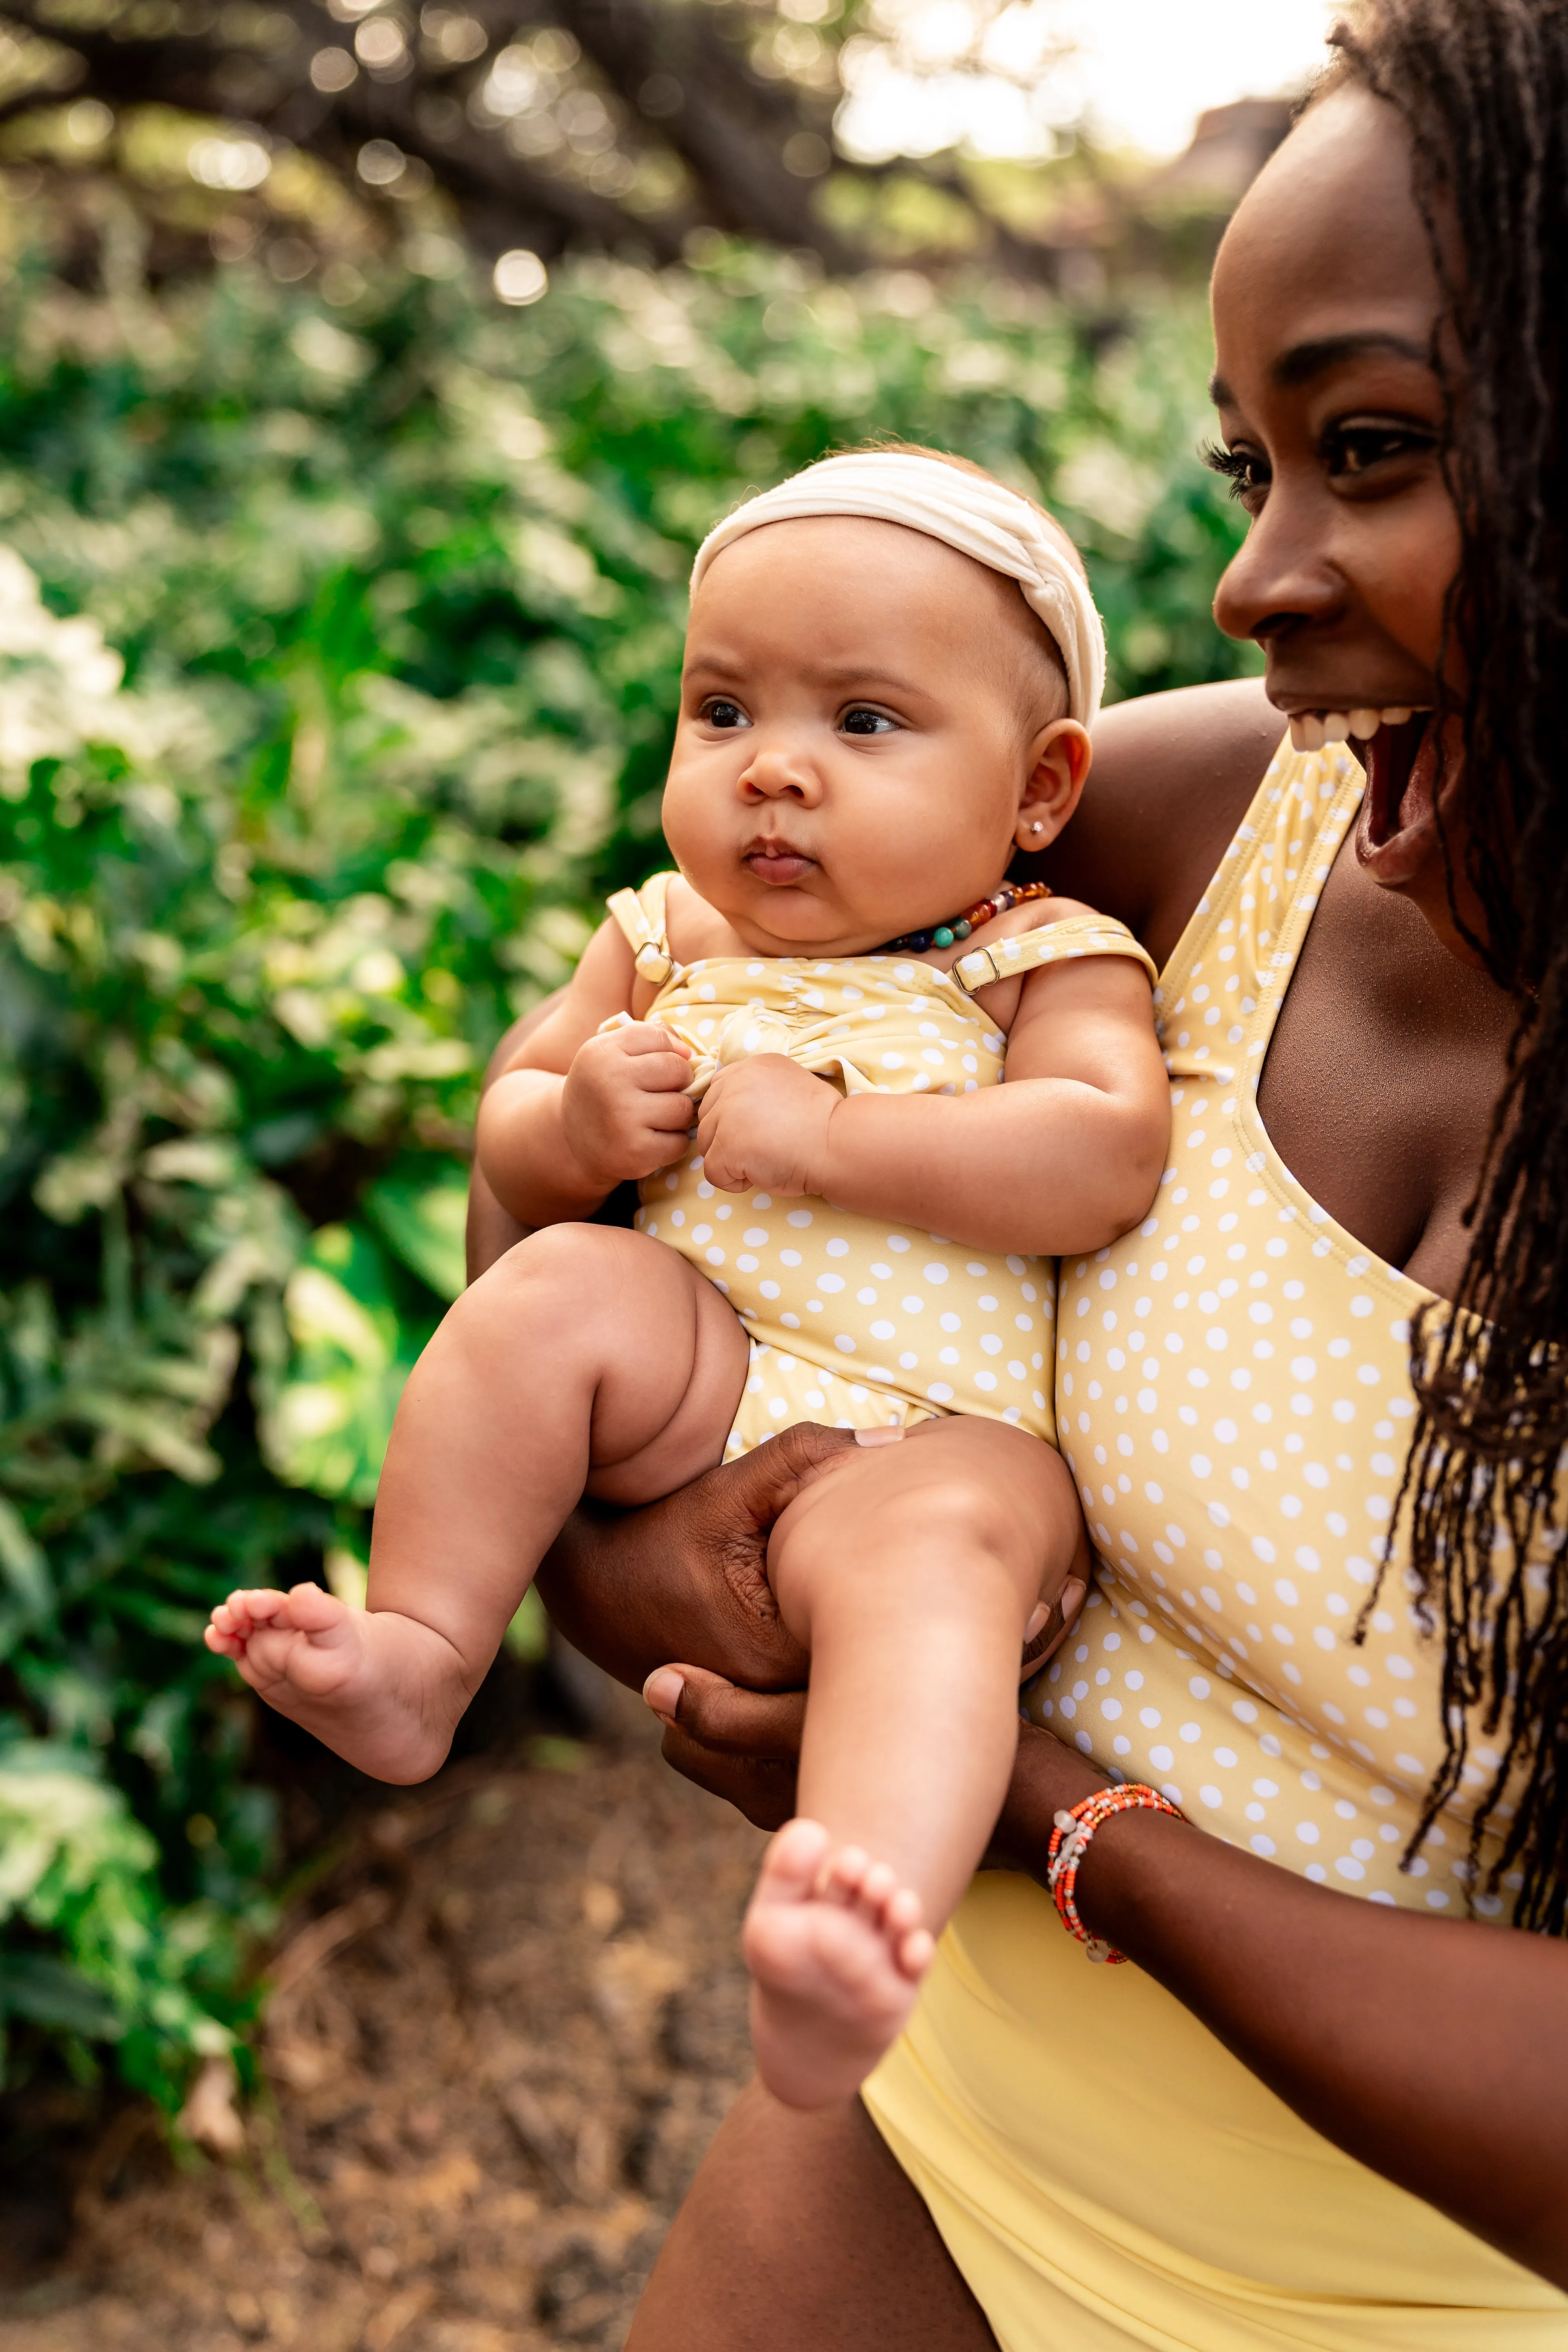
<point x="779" y="770"/>
<point x="1279" y="577"/>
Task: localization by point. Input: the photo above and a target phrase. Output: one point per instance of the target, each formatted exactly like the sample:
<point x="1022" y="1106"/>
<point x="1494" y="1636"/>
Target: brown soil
<point x="503" y="2033"/>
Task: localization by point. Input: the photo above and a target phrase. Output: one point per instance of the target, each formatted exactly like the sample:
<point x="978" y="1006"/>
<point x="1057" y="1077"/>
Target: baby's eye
<point x="860" y="721"/>
<point x="721" y="713"/>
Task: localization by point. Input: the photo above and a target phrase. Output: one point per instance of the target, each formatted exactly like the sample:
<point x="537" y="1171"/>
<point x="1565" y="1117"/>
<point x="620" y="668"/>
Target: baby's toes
<point x="914" y="1953"/>
<point x="903" y="1924"/>
<point x="791" y="1865"/>
<point x="843" y="1875"/>
<point x="263" y="1658"/>
<point x="222" y="1645"/>
<point x="310" y="1610"/>
<point x="877" y="1889"/>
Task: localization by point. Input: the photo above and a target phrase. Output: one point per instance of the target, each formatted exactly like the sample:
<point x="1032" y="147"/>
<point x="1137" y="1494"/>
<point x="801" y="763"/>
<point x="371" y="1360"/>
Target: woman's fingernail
<point x="878" y="1436"/>
<point x="1073" y="1591"/>
<point x="662" y="1691"/>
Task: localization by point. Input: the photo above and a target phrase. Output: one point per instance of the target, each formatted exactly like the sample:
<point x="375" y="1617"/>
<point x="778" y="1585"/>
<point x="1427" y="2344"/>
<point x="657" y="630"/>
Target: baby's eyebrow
<point x="728" y="669"/>
<point x="858" y="674"/>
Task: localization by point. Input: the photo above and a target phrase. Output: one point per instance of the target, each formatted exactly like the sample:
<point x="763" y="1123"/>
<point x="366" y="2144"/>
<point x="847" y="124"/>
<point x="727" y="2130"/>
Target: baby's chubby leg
<point x="911" y="1575"/>
<point x="586" y="1359"/>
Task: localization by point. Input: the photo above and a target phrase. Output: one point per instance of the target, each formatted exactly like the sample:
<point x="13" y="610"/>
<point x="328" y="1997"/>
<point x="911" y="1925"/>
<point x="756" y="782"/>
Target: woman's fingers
<point x="741" y="1745"/>
<point x="1059" y="1621"/>
<point x="762" y="1483"/>
<point x="690" y="1573"/>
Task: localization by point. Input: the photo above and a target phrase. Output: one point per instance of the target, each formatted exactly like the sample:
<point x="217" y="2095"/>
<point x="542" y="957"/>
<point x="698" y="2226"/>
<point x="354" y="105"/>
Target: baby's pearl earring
<point x="1037" y="826"/>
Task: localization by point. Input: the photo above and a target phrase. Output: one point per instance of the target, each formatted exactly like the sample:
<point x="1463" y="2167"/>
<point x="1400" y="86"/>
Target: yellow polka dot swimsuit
<point x="853" y="1319"/>
<point x="1234" y="1397"/>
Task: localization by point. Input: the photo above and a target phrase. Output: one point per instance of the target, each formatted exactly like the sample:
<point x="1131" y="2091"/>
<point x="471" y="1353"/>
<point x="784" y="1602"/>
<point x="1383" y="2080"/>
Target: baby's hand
<point x="763" y="1127"/>
<point x="625" y="1109"/>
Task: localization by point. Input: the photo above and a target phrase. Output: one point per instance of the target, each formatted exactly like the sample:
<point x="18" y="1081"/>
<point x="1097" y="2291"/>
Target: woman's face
<point x="1325" y="306"/>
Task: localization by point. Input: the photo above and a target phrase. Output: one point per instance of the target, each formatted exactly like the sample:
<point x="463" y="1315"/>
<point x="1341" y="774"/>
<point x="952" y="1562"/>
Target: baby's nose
<point x="780" y="771"/>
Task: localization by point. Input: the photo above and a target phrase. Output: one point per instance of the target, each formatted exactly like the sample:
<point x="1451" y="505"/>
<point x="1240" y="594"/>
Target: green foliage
<point x="338" y="659"/>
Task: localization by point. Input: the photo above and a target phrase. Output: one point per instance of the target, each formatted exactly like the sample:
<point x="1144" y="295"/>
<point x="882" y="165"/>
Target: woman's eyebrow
<point x="1304" y="363"/>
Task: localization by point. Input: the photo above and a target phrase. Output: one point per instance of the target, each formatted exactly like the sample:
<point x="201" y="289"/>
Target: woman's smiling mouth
<point x="1311" y="729"/>
<point x="1396" y="746"/>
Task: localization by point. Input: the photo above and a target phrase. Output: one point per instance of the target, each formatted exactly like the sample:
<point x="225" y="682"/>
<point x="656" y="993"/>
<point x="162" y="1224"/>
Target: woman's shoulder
<point x="1173" y="775"/>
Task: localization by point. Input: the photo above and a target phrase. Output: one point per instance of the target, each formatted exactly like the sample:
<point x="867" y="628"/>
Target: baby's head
<point x="892" y="664"/>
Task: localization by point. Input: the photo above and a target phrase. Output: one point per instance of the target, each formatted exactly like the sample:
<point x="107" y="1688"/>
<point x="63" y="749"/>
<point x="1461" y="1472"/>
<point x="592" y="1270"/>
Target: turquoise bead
<point x="941" y="937"/>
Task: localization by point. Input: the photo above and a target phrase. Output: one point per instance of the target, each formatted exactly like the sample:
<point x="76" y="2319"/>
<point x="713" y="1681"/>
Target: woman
<point x="1305" y="2117"/>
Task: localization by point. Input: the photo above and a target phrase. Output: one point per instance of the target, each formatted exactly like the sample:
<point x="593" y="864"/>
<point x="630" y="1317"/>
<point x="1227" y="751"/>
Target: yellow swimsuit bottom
<point x="853" y="1319"/>
<point x="1233" y="1395"/>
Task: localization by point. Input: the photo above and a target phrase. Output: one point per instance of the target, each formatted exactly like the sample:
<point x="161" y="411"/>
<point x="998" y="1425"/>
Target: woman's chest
<point x="1377" y="1091"/>
<point x="1233" y="1397"/>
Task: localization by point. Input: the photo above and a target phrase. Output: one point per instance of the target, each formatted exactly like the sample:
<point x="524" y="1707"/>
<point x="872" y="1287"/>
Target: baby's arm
<point x="573" y="1113"/>
<point x="1065" y="1156"/>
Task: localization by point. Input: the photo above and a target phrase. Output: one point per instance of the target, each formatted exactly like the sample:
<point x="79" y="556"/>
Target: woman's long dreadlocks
<point x="1482" y="87"/>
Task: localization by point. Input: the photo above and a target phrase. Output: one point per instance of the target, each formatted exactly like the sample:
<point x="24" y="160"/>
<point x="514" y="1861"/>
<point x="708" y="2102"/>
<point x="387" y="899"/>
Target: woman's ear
<point x="1059" y="760"/>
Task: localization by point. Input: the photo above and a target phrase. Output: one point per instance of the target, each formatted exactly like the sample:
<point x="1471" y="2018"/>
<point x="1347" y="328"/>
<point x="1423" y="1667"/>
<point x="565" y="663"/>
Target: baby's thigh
<point x="668" y="1353"/>
<point x="952" y="1489"/>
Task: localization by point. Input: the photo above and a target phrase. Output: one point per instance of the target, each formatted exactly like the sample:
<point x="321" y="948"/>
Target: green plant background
<point x="338" y="655"/>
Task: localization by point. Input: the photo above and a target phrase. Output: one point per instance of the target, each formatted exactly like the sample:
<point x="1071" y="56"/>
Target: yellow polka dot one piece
<point x="1234" y="1394"/>
<point x="853" y="1319"/>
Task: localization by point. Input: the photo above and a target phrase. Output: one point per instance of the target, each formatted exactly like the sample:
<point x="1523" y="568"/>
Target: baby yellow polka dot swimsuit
<point x="853" y="1319"/>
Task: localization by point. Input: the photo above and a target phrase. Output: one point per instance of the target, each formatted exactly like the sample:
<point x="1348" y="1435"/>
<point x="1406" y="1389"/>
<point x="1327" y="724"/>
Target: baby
<point x="890" y="670"/>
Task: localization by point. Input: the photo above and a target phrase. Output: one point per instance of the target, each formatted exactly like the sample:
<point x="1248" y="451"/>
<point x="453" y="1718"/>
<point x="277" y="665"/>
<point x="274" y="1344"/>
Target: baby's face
<point x="862" y="708"/>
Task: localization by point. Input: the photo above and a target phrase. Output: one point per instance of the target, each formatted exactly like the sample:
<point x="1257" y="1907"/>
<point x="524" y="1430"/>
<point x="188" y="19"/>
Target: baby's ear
<point x="1058" y="757"/>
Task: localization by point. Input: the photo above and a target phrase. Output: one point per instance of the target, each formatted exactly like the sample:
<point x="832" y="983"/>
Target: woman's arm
<point x="1435" y="2052"/>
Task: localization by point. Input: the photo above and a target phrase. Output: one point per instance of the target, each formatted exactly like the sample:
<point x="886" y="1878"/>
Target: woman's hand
<point x="690" y="1573"/>
<point x="744" y="1746"/>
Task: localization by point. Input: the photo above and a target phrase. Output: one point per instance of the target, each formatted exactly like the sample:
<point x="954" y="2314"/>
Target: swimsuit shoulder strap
<point x="640" y="915"/>
<point x="1074" y="937"/>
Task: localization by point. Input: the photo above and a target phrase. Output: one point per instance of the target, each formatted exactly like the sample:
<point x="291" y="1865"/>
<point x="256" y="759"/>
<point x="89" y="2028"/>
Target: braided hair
<point x="1482" y="89"/>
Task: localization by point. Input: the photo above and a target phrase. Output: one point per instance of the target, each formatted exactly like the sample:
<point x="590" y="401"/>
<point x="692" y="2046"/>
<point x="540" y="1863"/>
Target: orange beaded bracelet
<point x="1069" y="1843"/>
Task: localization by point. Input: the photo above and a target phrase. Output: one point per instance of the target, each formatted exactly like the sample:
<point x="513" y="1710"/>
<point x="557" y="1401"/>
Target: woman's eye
<point x="861" y="721"/>
<point x="1351" y="450"/>
<point x="1246" y="470"/>
<point x="722" y="713"/>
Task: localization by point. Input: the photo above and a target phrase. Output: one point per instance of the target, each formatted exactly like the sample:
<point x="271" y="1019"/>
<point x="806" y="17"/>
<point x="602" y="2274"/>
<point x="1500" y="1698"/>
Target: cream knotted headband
<point x="978" y="518"/>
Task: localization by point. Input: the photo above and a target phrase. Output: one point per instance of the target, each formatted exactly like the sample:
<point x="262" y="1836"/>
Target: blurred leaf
<point x="420" y="1211"/>
<point x="49" y="1993"/>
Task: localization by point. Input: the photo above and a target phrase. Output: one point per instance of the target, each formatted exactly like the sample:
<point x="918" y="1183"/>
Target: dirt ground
<point x="505" y="2028"/>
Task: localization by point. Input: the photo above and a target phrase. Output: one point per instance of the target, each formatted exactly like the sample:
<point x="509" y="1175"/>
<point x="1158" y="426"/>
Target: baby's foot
<point x="836" y="1951"/>
<point x="379" y="1689"/>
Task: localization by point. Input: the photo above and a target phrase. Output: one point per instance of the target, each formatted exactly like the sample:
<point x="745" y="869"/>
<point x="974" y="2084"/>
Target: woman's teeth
<point x="1311" y="729"/>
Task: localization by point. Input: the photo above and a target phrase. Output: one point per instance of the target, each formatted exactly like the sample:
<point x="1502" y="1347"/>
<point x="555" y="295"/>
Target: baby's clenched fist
<point x="624" y="1107"/>
<point x="764" y="1125"/>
